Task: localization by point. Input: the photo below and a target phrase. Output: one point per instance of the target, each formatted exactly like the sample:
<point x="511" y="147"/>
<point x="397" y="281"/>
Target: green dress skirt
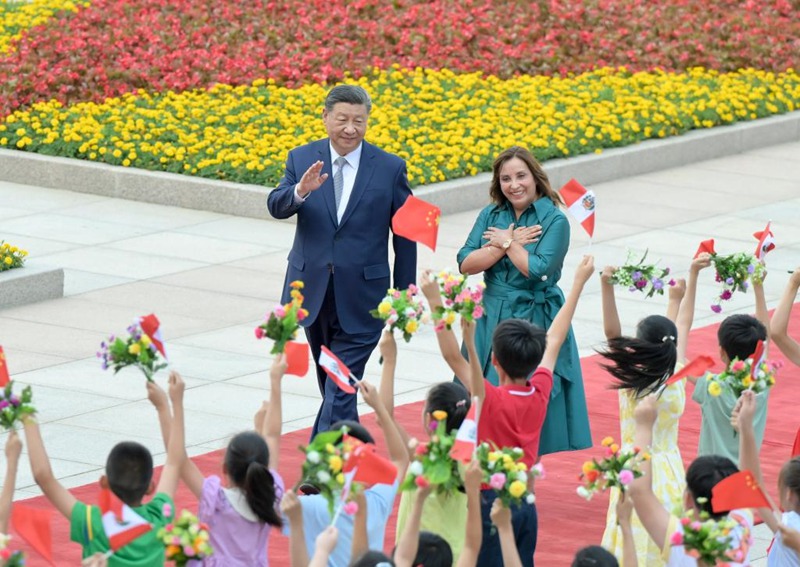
<point x="536" y="298"/>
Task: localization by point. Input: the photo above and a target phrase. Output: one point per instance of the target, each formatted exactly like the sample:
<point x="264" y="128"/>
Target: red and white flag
<point x="336" y="370"/>
<point x="757" y="358"/>
<point x="580" y="204"/>
<point x="467" y="436"/>
<point x="151" y="327"/>
<point x="5" y="376"/>
<point x="766" y="242"/>
<point x="120" y="523"/>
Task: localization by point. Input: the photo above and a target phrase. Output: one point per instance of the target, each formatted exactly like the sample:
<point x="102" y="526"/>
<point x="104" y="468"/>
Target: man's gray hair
<point x="350" y="94"/>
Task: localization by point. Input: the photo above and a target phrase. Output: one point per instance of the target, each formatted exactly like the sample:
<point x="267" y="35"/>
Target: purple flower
<point x="632" y="288"/>
<point x="99" y="354"/>
<point x="111" y="339"/>
<point x="718" y="277"/>
<point x="433" y="425"/>
<point x="666" y="271"/>
<point x="3" y="404"/>
<point x="636" y="275"/>
<point x="716" y="308"/>
<point x="671" y="283"/>
<point x="104" y="365"/>
<point x="751" y="268"/>
<point x="14" y="401"/>
<point x="725" y="295"/>
<point x="745" y="285"/>
<point x="640" y="284"/>
<point x="729" y="281"/>
<point x="658" y="284"/>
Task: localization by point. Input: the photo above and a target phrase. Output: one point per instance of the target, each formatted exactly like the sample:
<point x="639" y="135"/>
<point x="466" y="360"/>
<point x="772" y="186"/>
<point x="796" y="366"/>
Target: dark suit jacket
<point x="354" y="252"/>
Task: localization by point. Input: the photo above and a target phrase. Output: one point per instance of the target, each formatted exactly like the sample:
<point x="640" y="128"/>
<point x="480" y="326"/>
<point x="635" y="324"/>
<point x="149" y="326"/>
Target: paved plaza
<point x="210" y="278"/>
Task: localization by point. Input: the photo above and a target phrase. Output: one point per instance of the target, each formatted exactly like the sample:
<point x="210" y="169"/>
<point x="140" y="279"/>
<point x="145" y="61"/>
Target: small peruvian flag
<point x="467" y="436"/>
<point x="151" y="327"/>
<point x="758" y="357"/>
<point x="580" y="204"/>
<point x="5" y="377"/>
<point x="336" y="370"/>
<point x="120" y="523"/>
<point x="766" y="242"/>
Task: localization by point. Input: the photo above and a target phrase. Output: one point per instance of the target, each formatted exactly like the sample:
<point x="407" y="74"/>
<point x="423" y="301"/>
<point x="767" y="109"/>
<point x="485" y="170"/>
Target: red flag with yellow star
<point x="740" y="490"/>
<point x="5" y="377"/>
<point x="417" y="220"/>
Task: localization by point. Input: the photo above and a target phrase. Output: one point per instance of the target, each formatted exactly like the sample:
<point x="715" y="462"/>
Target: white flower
<point x="530" y="498"/>
<point x="490" y="464"/>
<point x="415" y="468"/>
<point x="583" y="493"/>
<point x="522" y="476"/>
<point x="412" y="443"/>
<point x="517" y="451"/>
<point x="323" y="477"/>
<point x="313" y="457"/>
<point x="4" y="539"/>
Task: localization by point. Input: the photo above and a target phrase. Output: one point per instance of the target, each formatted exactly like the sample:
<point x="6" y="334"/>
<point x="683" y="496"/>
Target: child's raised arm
<point x="13" y="450"/>
<point x="293" y="510"/>
<point x="474" y="531"/>
<point x="360" y="544"/>
<point x="388" y="350"/>
<point x="176" y="451"/>
<point x="273" y="421"/>
<point x="158" y="397"/>
<point x="675" y="293"/>
<point x="651" y="512"/>
<point x="448" y="344"/>
<point x="55" y="492"/>
<point x="325" y="544"/>
<point x="560" y="326"/>
<point x="762" y="314"/>
<point x="408" y="544"/>
<point x="624" y="512"/>
<point x="611" y="324"/>
<point x="394" y="442"/>
<point x="475" y="384"/>
<point x="779" y="326"/>
<point x="501" y="518"/>
<point x="686" y="311"/>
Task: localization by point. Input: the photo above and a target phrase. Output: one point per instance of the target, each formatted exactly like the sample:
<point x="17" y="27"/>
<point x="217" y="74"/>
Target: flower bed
<point x="243" y="133"/>
<point x="17" y="16"/>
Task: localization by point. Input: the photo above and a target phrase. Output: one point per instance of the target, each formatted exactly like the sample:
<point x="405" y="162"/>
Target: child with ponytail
<point x="241" y="514"/>
<point x="641" y="366"/>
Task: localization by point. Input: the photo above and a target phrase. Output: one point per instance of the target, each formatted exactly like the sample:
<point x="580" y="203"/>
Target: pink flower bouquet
<point x="504" y="471"/>
<point x="283" y="322"/>
<point x="709" y="541"/>
<point x="401" y="309"/>
<point x="185" y="539"/>
<point x="618" y="468"/>
<point x="458" y="299"/>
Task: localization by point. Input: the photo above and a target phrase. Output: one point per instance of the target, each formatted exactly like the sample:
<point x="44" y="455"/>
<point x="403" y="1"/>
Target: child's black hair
<point x="594" y="556"/>
<point x="518" y="347"/>
<point x="738" y="335"/>
<point x="247" y="465"/>
<point x="789" y="478"/>
<point x="642" y="364"/>
<point x="129" y="471"/>
<point x="372" y="559"/>
<point x="452" y="398"/>
<point x="433" y="551"/>
<point x="354" y="429"/>
<point x="703" y="475"/>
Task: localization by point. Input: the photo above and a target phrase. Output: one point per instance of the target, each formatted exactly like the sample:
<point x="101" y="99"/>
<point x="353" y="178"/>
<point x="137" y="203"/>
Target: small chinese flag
<point x="417" y="220"/>
<point x="296" y="358"/>
<point x="796" y="446"/>
<point x="5" y="377"/>
<point x="369" y="467"/>
<point x="695" y="367"/>
<point x="705" y="246"/>
<point x="740" y="490"/>
<point x="467" y="436"/>
<point x="33" y="525"/>
<point x="580" y="204"/>
<point x="766" y="242"/>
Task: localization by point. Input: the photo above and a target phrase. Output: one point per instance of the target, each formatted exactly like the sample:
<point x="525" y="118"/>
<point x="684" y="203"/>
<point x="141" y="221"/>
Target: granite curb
<point x="32" y="283"/>
<point x="453" y="196"/>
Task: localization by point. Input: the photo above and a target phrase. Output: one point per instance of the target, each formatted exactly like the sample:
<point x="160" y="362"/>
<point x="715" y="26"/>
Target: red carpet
<point x="566" y="522"/>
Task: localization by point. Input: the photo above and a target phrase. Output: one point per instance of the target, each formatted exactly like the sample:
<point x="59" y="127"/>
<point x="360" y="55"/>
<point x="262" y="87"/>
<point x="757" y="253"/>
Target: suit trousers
<point x="353" y="350"/>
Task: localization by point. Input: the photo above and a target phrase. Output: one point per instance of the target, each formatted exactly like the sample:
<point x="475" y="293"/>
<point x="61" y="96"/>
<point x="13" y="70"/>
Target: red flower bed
<point x="116" y="46"/>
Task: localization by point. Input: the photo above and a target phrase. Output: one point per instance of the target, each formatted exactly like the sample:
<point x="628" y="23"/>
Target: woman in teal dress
<point x="519" y="242"/>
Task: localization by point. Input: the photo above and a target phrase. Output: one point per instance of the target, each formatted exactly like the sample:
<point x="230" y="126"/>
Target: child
<point x="443" y="514"/>
<point x="738" y="336"/>
<point x="779" y="332"/>
<point x="379" y="498"/>
<point x="514" y="411"/>
<point x="595" y="556"/>
<point x="641" y="365"/>
<point x="129" y="473"/>
<point x="701" y="477"/>
<point x="240" y="517"/>
<point x="424" y="548"/>
<point x="789" y="490"/>
<point x="13" y="450"/>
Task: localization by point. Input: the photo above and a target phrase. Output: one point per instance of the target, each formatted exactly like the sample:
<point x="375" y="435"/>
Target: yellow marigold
<point x="384" y="307"/>
<point x="297" y="284"/>
<point x="135" y="348"/>
<point x="587" y="466"/>
<point x="335" y="463"/>
<point x="411" y="327"/>
<point x="714" y="389"/>
<point x="517" y="489"/>
<point x="8" y="260"/>
<point x="614" y="447"/>
<point x="439" y="415"/>
<point x="608" y="441"/>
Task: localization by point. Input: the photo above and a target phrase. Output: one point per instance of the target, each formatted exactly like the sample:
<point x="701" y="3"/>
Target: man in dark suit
<point x="344" y="192"/>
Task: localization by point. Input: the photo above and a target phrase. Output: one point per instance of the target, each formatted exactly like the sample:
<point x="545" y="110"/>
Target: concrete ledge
<point x="29" y="284"/>
<point x="451" y="196"/>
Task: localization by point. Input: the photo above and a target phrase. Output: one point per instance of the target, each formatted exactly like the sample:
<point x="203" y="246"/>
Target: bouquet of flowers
<point x="708" y="540"/>
<point x="11" y="256"/>
<point x="185" y="539"/>
<point x="458" y="300"/>
<point x="432" y="462"/>
<point x="506" y="474"/>
<point x="618" y="468"/>
<point x="739" y="376"/>
<point x="646" y="278"/>
<point x="9" y="558"/>
<point x="137" y="349"/>
<point x="325" y="459"/>
<point x="401" y="310"/>
<point x="735" y="272"/>
<point x="13" y="408"/>
<point x="283" y="322"/>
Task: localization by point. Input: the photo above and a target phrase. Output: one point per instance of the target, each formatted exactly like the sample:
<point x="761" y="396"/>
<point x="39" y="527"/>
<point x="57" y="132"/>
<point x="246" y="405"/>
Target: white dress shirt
<point x="349" y="171"/>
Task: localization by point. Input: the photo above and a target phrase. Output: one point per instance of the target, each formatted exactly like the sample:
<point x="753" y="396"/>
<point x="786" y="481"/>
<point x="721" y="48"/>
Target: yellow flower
<point x="522" y="467"/>
<point x="714" y="389"/>
<point x="587" y="466"/>
<point x="8" y="260"/>
<point x="614" y="447"/>
<point x="330" y="448"/>
<point x="607" y="441"/>
<point x="439" y="415"/>
<point x="297" y="284"/>
<point x="449" y="318"/>
<point x="340" y="478"/>
<point x="493" y="457"/>
<point x="335" y="463"/>
<point x="384" y="307"/>
<point x="411" y="327"/>
<point x="135" y="348"/>
<point x="296" y="295"/>
<point x="517" y="489"/>
<point x="747" y="381"/>
<point x="145" y="340"/>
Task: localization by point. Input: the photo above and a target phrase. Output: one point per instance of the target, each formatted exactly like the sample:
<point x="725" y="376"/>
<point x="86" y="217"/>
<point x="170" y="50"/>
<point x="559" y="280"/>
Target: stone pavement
<point x="210" y="278"/>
